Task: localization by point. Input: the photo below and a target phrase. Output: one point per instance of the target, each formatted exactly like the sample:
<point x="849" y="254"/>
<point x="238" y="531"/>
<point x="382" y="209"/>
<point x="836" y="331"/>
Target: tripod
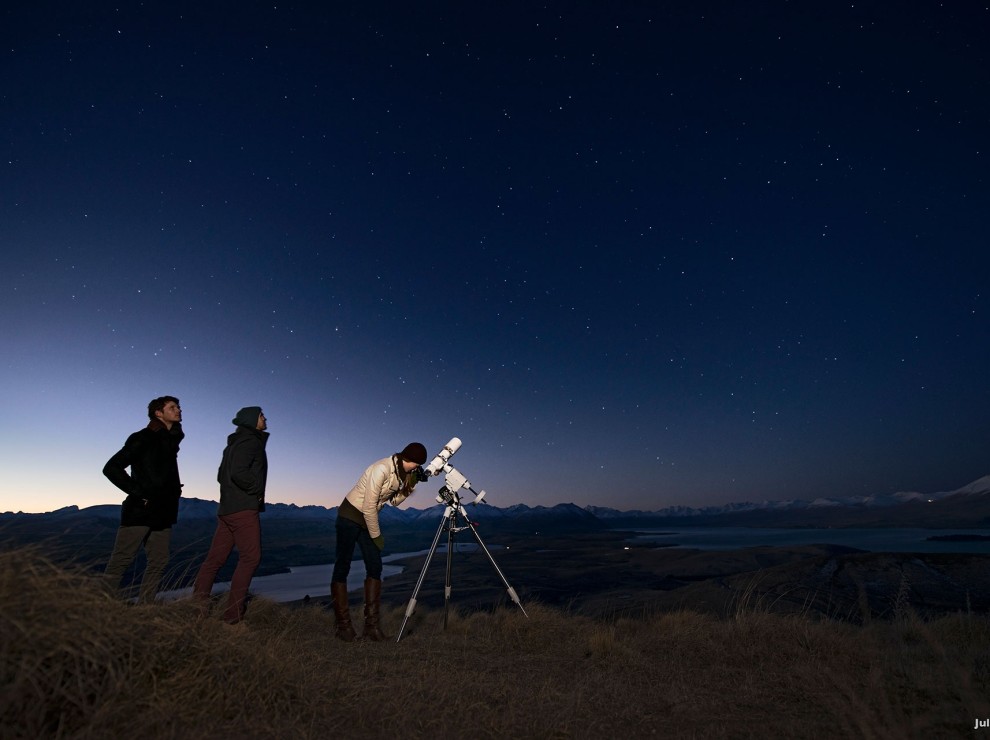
<point x="453" y="512"/>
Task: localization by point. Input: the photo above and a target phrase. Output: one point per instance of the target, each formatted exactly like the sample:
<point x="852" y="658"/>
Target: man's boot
<point x="342" y="612"/>
<point x="372" y="608"/>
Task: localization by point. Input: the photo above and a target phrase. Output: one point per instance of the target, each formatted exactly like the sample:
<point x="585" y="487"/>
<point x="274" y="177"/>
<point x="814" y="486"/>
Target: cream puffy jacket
<point x="378" y="486"/>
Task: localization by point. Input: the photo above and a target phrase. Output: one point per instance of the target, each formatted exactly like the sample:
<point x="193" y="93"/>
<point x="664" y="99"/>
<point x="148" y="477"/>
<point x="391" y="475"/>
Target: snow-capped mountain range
<point x="877" y="501"/>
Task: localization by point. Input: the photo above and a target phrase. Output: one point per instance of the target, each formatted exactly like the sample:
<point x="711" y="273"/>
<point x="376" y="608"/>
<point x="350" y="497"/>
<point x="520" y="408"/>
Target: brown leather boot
<point x="342" y="612"/>
<point x="372" y="608"/>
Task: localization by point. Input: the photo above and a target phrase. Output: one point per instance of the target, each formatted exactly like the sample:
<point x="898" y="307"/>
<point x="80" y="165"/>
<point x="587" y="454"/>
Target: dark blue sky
<point x="637" y="256"/>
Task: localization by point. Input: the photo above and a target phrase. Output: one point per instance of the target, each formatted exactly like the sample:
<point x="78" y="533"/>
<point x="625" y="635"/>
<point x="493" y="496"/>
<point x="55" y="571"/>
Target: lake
<point x="872" y="540"/>
<point x="314" y="580"/>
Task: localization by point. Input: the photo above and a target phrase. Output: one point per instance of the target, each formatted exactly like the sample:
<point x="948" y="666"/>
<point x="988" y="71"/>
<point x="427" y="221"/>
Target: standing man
<point x="153" y="491"/>
<point x="242" y="476"/>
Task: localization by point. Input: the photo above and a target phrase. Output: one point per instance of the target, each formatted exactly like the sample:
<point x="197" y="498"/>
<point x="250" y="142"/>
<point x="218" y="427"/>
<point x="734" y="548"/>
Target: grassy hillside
<point x="76" y="664"/>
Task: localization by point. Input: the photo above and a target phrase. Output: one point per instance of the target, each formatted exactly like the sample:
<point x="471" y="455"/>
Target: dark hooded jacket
<point x="153" y="488"/>
<point x="243" y="472"/>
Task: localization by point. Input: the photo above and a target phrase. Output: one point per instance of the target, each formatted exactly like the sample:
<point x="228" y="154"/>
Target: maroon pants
<point x="243" y="531"/>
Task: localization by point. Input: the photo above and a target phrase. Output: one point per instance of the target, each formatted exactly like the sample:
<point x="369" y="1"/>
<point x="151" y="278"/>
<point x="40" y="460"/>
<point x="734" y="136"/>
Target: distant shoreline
<point x="888" y="539"/>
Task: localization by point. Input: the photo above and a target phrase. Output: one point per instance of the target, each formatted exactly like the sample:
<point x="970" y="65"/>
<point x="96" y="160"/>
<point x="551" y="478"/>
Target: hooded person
<point x="243" y="476"/>
<point x="386" y="481"/>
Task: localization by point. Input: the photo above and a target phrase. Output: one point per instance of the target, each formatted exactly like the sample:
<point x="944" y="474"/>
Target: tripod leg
<point x="450" y="558"/>
<point x="411" y="607"/>
<point x="477" y="537"/>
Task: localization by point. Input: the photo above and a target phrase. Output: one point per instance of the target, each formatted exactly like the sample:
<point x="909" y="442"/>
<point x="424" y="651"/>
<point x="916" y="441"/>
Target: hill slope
<point x="75" y="664"/>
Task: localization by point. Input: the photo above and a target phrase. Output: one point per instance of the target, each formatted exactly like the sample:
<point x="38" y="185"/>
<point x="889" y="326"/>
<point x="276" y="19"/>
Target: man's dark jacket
<point x="243" y="472"/>
<point x="153" y="488"/>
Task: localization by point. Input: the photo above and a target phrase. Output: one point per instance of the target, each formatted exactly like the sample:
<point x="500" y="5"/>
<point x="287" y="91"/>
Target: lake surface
<point x="314" y="580"/>
<point x="872" y="540"/>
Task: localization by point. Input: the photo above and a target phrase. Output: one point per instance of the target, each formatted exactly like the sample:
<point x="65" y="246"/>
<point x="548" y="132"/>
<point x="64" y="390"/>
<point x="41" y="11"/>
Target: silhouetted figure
<point x="243" y="475"/>
<point x="153" y="491"/>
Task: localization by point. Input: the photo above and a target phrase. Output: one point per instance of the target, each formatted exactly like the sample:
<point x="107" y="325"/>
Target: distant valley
<point x="580" y="557"/>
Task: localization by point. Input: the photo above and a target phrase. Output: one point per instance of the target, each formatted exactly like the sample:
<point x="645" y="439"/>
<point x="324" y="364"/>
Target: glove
<point x="379" y="541"/>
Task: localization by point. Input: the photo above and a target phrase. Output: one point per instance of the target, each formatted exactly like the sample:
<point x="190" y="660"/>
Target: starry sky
<point x="633" y="254"/>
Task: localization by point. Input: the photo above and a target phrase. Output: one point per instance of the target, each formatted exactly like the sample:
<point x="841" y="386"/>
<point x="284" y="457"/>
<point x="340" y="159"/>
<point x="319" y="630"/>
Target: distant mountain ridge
<point x="968" y="506"/>
<point x="562" y="517"/>
<point x="979" y="486"/>
<point x="965" y="507"/>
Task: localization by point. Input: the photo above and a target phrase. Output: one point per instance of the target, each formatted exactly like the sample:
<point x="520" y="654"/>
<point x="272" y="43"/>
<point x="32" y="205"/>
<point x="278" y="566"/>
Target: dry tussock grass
<point x="78" y="664"/>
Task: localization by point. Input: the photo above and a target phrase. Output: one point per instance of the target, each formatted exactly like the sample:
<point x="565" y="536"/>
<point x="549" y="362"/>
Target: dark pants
<point x="243" y="531"/>
<point x="125" y="547"/>
<point x="349" y="534"/>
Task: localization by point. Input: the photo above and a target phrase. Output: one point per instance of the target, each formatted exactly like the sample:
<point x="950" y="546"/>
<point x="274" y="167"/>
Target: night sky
<point x="633" y="254"/>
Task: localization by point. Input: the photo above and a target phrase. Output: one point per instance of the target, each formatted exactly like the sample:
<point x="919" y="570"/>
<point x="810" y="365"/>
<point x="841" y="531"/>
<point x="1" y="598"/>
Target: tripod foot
<point x="515" y="599"/>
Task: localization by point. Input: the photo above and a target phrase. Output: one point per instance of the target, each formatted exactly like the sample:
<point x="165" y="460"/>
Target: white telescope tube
<point x="440" y="461"/>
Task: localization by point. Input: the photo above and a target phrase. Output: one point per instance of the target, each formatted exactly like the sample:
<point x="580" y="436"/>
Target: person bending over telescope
<point x="387" y="481"/>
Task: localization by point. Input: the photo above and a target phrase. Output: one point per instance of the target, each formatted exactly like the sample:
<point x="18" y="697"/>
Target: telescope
<point x="440" y="461"/>
<point x="454" y="480"/>
<point x="453" y="514"/>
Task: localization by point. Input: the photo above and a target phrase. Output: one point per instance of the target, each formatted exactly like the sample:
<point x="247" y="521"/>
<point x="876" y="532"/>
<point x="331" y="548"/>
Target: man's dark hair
<point x="158" y="404"/>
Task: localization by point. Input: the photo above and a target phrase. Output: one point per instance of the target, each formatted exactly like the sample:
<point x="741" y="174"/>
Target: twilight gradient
<point x="632" y="256"/>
